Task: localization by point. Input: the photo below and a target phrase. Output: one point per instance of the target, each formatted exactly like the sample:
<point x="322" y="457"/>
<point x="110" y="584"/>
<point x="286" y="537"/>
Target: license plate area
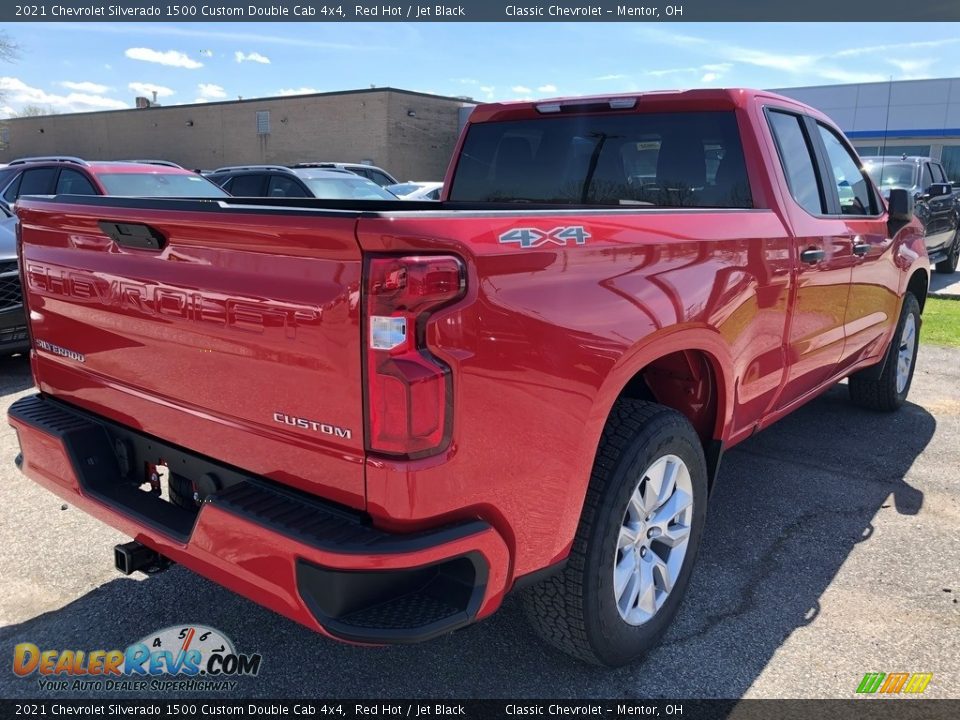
<point x="139" y="475"/>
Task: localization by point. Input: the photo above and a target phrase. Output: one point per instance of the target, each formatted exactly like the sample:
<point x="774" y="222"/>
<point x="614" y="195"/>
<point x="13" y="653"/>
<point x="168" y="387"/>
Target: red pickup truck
<point x="379" y="418"/>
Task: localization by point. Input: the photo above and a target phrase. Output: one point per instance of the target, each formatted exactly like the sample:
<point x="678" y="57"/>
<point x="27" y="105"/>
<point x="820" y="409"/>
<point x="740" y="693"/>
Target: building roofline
<point x="858" y="84"/>
<point x="332" y="93"/>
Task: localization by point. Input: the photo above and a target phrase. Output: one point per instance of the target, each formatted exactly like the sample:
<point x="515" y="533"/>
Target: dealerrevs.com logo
<point x="183" y="657"/>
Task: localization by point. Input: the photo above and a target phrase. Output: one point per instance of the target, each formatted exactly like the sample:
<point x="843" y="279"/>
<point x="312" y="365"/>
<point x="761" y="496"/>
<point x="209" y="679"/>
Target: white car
<point x="417" y="190"/>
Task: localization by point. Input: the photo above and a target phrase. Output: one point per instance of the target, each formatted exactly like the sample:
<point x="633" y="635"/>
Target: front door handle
<point x="812" y="256"/>
<point x="860" y="248"/>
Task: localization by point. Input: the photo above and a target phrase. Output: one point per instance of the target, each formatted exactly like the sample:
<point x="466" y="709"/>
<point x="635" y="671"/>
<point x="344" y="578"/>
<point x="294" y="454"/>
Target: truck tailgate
<point x="236" y="340"/>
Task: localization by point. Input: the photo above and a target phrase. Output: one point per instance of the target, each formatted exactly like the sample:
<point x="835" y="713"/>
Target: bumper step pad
<point x="397" y="605"/>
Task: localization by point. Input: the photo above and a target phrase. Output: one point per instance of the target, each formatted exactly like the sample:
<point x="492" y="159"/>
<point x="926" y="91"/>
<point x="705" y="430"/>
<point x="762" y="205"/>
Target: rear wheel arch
<point x="625" y="382"/>
<point x="685" y="374"/>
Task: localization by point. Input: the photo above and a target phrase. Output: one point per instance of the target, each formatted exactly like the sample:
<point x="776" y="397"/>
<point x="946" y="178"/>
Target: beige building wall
<point x="412" y="135"/>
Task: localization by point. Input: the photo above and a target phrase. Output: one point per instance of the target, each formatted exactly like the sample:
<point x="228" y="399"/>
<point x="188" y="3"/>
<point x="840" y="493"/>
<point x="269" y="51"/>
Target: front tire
<point x="888" y="391"/>
<point x="636" y="544"/>
<point x="949" y="265"/>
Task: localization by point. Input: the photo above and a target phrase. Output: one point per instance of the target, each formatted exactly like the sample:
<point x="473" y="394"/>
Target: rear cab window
<point x="676" y="159"/>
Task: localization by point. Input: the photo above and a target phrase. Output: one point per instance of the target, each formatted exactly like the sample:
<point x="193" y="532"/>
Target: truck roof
<point x="713" y="98"/>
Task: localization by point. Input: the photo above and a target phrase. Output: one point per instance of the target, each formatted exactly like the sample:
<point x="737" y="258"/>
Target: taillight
<point x="409" y="391"/>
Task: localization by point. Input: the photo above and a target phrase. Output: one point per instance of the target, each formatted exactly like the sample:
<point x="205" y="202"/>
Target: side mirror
<point x="900" y="205"/>
<point x="938" y="190"/>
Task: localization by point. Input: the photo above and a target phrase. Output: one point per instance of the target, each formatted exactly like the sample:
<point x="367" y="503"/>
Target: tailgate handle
<point x="135" y="235"/>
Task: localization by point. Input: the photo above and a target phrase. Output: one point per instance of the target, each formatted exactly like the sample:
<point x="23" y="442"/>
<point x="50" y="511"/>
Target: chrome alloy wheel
<point x="908" y="346"/>
<point x="653" y="539"/>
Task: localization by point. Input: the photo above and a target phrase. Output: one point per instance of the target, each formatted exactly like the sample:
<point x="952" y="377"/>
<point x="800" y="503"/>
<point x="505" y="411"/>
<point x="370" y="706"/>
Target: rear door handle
<point x="812" y="256"/>
<point x="860" y="248"/>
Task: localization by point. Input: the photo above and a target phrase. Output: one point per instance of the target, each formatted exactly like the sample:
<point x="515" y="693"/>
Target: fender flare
<point x="696" y="337"/>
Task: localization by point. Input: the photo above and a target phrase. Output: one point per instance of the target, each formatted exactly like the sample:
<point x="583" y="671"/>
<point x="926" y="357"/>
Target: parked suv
<point x="937" y="203"/>
<point x="278" y="181"/>
<point x="371" y="172"/>
<point x="65" y="175"/>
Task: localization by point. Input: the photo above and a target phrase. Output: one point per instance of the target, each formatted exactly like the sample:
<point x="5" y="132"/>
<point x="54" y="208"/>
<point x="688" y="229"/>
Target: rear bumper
<point x="323" y="566"/>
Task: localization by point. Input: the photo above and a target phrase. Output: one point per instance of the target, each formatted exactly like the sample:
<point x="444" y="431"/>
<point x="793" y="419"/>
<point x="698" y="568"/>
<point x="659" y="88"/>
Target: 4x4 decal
<point x="534" y="237"/>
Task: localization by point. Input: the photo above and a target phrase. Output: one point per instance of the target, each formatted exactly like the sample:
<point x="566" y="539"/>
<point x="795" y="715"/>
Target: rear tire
<point x="629" y="532"/>
<point x="888" y="391"/>
<point x="949" y="265"/>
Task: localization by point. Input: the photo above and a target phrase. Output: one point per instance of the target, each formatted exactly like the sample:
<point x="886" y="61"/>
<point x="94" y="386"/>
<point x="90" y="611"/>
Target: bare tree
<point x="9" y="51"/>
<point x="33" y="111"/>
<point x="8" y="48"/>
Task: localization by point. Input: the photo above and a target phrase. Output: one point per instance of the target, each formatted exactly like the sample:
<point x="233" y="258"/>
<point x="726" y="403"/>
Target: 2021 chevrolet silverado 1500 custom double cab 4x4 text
<point x="378" y="418"/>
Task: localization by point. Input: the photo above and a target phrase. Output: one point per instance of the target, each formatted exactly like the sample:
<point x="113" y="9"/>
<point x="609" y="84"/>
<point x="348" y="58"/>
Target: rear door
<point x="238" y="339"/>
<point x="953" y="214"/>
<point x="822" y="255"/>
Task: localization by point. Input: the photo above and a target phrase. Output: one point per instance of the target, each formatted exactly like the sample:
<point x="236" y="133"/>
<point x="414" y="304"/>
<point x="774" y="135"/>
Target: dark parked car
<point x="937" y="202"/>
<point x="371" y="172"/>
<point x="280" y="181"/>
<point x="13" y="322"/>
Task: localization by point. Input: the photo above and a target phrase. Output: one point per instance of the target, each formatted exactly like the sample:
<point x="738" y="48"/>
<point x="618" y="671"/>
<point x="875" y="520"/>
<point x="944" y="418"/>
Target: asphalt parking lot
<point x="831" y="551"/>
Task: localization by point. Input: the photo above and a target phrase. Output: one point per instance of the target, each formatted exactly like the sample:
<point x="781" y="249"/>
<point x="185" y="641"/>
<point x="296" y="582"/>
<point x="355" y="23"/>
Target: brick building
<point x="410" y="134"/>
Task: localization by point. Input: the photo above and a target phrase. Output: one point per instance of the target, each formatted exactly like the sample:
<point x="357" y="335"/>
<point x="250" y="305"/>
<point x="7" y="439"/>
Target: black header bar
<point x="654" y="11"/>
<point x="894" y="708"/>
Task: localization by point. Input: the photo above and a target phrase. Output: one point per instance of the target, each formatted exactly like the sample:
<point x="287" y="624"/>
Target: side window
<point x="284" y="187"/>
<point x="37" y="182"/>
<point x="937" y="170"/>
<point x="856" y="197"/>
<point x="434" y="194"/>
<point x="379" y="178"/>
<point x="926" y="177"/>
<point x="13" y="190"/>
<point x="796" y="157"/>
<point x="951" y="162"/>
<point x="71" y="182"/>
<point x="6" y="175"/>
<point x="247" y="186"/>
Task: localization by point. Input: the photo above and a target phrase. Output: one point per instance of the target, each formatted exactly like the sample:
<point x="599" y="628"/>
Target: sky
<point x="75" y="67"/>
